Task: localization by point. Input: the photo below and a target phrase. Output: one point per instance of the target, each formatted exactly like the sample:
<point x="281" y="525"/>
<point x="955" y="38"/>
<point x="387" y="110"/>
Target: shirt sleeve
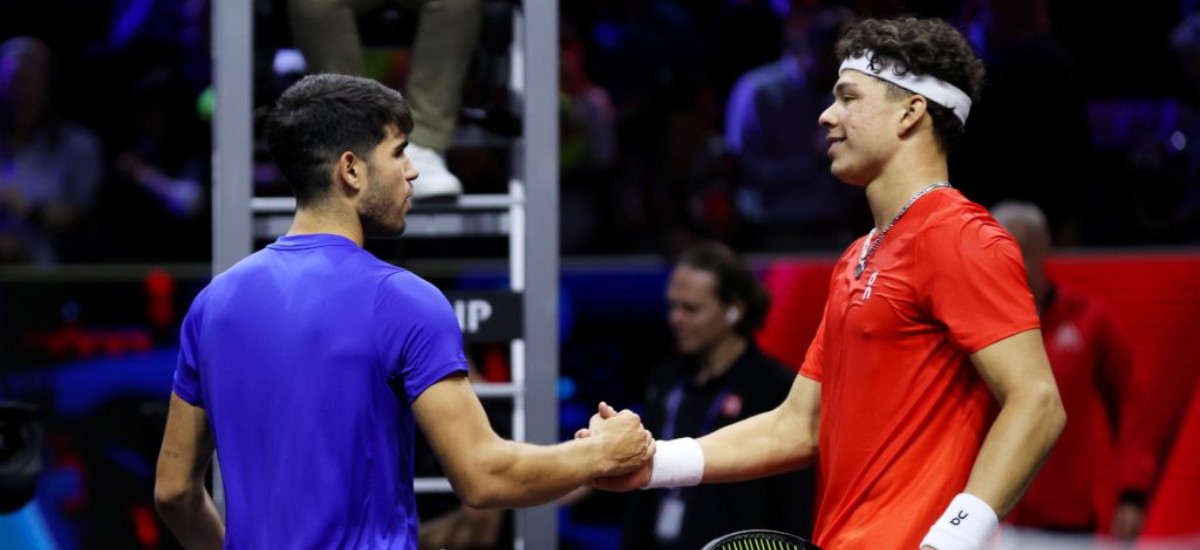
<point x="972" y="279"/>
<point x="419" y="336"/>
<point x="187" y="369"/>
<point x="814" y="359"/>
<point x="1114" y="367"/>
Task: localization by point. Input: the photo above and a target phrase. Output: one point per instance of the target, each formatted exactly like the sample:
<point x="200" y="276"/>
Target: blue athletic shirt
<point x="293" y="353"/>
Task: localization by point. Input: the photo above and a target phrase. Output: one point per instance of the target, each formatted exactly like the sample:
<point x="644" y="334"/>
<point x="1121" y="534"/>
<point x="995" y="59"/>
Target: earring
<point x="732" y="315"/>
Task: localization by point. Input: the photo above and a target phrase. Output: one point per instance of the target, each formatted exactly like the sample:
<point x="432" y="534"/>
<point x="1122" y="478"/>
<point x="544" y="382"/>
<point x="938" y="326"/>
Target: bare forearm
<point x="1019" y="440"/>
<point x="489" y="472"/>
<point x="179" y="493"/>
<point x="766" y="444"/>
<point x="194" y="521"/>
<point x="516" y="474"/>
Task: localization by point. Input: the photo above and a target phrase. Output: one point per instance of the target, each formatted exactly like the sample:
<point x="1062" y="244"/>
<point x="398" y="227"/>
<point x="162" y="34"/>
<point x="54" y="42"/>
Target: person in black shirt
<point x="718" y="378"/>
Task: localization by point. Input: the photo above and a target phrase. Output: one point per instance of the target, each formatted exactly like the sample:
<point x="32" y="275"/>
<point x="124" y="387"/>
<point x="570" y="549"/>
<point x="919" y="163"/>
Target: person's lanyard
<point x="671" y="507"/>
<point x="675" y="400"/>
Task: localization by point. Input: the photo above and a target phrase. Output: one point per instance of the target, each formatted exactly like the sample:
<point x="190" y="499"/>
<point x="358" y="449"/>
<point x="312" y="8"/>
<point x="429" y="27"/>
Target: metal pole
<point x="538" y="526"/>
<point x="232" y="44"/>
<point x="232" y="55"/>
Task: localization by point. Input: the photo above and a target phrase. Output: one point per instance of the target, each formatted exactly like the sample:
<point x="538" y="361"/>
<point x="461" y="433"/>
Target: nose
<point x="674" y="317"/>
<point x="411" y="172"/>
<point x="826" y="119"/>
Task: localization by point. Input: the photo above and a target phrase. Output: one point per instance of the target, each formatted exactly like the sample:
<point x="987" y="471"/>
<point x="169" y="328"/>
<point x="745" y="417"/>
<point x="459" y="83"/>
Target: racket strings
<point x="759" y="542"/>
<point x="760" y="539"/>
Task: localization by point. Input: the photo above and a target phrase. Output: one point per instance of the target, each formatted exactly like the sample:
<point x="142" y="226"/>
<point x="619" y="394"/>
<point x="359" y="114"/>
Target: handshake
<point x="623" y="447"/>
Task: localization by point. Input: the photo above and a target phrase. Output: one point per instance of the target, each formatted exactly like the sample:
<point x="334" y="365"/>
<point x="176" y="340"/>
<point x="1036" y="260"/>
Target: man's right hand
<point x="625" y="445"/>
<point x="623" y="479"/>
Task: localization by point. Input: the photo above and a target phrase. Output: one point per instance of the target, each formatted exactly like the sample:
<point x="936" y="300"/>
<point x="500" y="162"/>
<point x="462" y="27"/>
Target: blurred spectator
<point x="745" y="34"/>
<point x="163" y="175"/>
<point x="785" y="197"/>
<point x="647" y="54"/>
<point x="587" y="147"/>
<point x="1093" y="366"/>
<point x="694" y="202"/>
<point x="719" y="377"/>
<point x="1185" y="40"/>
<point x="447" y="32"/>
<point x="150" y="32"/>
<point x="50" y="168"/>
<point x="1030" y="77"/>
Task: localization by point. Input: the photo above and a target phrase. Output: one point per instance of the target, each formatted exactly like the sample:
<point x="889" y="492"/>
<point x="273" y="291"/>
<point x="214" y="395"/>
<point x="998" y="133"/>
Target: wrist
<point x="676" y="463"/>
<point x="965" y="525"/>
<point x="599" y="461"/>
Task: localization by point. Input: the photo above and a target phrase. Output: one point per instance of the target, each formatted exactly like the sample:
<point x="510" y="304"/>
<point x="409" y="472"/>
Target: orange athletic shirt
<point x="903" y="411"/>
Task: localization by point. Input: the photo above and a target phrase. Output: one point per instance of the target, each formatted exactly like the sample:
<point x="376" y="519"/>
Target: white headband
<point x="935" y="89"/>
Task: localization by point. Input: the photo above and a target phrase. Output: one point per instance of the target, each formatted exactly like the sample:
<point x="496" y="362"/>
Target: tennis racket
<point x="760" y="539"/>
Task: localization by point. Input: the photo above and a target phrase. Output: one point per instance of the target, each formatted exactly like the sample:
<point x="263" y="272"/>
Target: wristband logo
<point x="957" y="520"/>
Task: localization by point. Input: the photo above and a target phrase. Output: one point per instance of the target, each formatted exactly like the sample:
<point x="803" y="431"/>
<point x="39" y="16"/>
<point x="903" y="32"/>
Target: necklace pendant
<point x="858" y="270"/>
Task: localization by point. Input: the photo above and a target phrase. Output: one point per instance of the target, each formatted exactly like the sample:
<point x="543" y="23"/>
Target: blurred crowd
<point x="678" y="120"/>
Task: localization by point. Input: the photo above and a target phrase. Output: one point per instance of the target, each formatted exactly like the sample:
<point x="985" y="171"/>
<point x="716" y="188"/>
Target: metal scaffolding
<point x="531" y="205"/>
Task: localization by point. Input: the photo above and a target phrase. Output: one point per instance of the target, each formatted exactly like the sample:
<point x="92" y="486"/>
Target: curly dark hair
<point x="735" y="281"/>
<point x="925" y="47"/>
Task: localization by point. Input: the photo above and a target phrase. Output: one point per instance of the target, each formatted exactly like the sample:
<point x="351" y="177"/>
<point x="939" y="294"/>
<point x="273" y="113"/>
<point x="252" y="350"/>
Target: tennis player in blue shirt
<point x="308" y="364"/>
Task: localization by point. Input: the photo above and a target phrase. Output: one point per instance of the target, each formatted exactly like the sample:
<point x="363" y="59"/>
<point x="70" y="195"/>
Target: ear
<point x="351" y="172"/>
<point x="733" y="313"/>
<point x="915" y="107"/>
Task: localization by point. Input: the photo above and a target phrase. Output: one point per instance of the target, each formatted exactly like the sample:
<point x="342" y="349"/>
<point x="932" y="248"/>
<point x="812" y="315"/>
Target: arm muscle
<point x="179" y="493"/>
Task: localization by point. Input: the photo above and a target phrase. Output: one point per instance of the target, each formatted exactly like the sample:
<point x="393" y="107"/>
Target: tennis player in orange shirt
<point x="926" y="399"/>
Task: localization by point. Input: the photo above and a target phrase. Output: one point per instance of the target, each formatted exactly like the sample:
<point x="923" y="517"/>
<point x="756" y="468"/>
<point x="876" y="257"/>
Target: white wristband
<point x="677" y="463"/>
<point x="965" y="525"/>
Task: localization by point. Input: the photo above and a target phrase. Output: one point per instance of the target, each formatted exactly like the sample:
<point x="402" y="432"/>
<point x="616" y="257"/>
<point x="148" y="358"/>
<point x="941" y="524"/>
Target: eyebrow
<point x="840" y="87"/>
<point x="400" y="146"/>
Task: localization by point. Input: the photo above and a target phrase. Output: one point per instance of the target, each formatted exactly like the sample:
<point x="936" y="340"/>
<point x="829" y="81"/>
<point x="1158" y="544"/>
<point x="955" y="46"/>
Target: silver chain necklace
<point x="869" y="245"/>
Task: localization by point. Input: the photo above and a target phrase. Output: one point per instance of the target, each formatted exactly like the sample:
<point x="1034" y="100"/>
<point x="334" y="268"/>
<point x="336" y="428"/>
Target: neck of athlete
<point x="720" y="358"/>
<point x="918" y="163"/>
<point x="332" y="216"/>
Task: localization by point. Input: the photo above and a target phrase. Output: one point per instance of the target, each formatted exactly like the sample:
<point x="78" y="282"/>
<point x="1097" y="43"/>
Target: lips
<point x="832" y="143"/>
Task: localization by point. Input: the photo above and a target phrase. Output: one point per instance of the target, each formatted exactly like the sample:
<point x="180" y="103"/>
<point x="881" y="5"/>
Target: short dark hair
<point x="735" y="281"/>
<point x="924" y="47"/>
<point x="320" y="117"/>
